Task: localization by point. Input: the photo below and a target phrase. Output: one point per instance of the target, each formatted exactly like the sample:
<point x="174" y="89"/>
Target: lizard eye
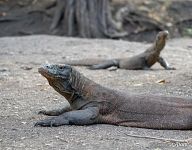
<point x="159" y="37"/>
<point x="61" y="67"/>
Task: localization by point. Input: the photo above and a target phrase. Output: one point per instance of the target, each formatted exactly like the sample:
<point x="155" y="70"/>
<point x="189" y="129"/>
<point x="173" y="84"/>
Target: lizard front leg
<point x="165" y="64"/>
<point x="78" y="117"/>
<point x="55" y="112"/>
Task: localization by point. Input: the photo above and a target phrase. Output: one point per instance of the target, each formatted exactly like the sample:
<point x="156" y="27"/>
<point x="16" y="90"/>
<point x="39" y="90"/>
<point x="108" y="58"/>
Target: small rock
<point x="112" y="69"/>
<point x="49" y="144"/>
<point x="139" y="84"/>
<point x="189" y="47"/>
<point x="55" y="99"/>
<point x="26" y="68"/>
<point x="4" y="69"/>
<point x="22" y="138"/>
<point x="23" y="122"/>
<point x="65" y="57"/>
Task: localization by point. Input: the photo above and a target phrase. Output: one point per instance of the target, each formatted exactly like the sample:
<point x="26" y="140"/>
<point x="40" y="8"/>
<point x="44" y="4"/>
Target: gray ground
<point x="23" y="92"/>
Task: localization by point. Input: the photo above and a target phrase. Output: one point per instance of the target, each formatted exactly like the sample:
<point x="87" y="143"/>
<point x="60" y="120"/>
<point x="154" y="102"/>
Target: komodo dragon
<point x="91" y="103"/>
<point x="141" y="61"/>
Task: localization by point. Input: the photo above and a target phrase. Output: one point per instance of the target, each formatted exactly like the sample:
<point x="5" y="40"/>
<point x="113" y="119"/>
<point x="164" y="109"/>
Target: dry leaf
<point x="162" y="81"/>
<point x="139" y="84"/>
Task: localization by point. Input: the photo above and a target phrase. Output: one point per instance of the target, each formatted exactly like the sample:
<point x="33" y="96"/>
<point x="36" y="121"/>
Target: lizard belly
<point x="131" y="64"/>
<point x="151" y="121"/>
<point x="152" y="112"/>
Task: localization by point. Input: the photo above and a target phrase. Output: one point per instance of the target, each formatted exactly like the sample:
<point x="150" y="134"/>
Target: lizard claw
<point x="36" y="124"/>
<point x="53" y="122"/>
<point x="45" y="123"/>
<point x="42" y="112"/>
<point x="40" y="124"/>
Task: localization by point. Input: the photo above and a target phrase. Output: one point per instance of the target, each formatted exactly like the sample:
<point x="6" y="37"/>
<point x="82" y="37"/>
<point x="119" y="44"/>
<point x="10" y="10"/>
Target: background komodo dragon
<point x="91" y="103"/>
<point x="141" y="61"/>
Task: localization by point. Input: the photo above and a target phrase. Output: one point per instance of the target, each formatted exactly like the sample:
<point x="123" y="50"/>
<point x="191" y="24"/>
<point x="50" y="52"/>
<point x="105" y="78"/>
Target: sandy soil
<point x="23" y="92"/>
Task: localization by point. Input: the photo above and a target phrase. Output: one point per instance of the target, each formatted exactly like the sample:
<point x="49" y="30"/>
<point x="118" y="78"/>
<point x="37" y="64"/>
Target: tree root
<point x="8" y="19"/>
<point x="85" y="18"/>
<point x="42" y="11"/>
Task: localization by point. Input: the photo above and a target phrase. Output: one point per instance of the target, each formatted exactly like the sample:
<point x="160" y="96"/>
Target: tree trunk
<point x="85" y="18"/>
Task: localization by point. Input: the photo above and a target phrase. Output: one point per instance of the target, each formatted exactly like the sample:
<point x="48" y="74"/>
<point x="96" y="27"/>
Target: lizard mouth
<point x="165" y="34"/>
<point x="44" y="72"/>
<point x="51" y="72"/>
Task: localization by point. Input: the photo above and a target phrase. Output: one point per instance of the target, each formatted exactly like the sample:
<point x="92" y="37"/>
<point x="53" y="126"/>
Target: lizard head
<point x="55" y="72"/>
<point x="59" y="77"/>
<point x="160" y="40"/>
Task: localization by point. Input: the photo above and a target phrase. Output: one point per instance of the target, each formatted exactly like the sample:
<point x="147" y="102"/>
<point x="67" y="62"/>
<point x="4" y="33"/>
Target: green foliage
<point x="187" y="32"/>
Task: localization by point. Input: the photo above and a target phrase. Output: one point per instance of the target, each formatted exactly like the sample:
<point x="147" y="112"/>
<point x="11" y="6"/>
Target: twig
<point x="189" y="140"/>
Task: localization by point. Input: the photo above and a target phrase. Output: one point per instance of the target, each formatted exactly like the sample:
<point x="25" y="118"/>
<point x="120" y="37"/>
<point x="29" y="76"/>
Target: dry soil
<point x="23" y="92"/>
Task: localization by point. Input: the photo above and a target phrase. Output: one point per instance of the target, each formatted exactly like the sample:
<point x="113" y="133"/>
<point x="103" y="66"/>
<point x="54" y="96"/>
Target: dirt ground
<point x="23" y="92"/>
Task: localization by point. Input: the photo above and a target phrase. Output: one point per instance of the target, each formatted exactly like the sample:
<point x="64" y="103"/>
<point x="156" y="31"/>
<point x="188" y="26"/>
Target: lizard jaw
<point x="44" y="72"/>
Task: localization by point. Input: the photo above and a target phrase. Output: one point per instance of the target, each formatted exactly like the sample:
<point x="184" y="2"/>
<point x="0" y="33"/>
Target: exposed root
<point x="8" y="19"/>
<point x="85" y="18"/>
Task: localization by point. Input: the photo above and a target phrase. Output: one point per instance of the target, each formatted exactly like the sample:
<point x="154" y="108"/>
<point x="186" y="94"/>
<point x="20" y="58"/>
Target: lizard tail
<point x="86" y="62"/>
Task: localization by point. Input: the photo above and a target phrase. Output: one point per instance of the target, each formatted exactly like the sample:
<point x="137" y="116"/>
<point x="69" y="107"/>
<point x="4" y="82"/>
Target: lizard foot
<point x="46" y="123"/>
<point x="42" y="112"/>
<point x="53" y="122"/>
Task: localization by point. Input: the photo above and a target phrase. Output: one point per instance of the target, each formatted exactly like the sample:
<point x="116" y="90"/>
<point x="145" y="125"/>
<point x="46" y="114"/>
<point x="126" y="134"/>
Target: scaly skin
<point x="142" y="61"/>
<point x="91" y="103"/>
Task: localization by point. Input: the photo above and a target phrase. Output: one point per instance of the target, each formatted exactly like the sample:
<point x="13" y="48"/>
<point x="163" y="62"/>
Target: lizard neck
<point x="81" y="85"/>
<point x="158" y="46"/>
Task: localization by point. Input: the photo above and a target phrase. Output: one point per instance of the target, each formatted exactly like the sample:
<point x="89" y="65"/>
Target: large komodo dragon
<point x="91" y="103"/>
<point x="141" y="61"/>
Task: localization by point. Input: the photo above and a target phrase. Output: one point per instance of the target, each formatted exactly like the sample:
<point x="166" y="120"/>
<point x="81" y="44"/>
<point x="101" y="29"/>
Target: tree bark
<point x="85" y="18"/>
